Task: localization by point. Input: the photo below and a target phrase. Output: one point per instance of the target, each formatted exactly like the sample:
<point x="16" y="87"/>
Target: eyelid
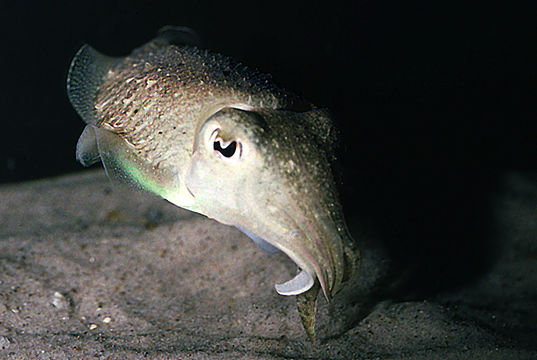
<point x="214" y="135"/>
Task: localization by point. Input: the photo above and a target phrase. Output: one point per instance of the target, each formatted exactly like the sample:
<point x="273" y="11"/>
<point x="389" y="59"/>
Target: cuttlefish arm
<point x="303" y="285"/>
<point x="306" y="303"/>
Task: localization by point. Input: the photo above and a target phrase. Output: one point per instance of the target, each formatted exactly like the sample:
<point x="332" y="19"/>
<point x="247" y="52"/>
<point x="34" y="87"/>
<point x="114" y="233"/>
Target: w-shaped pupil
<point x="228" y="151"/>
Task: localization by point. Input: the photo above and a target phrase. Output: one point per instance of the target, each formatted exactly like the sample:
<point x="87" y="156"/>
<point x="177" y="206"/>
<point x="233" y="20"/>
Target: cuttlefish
<point x="212" y="136"/>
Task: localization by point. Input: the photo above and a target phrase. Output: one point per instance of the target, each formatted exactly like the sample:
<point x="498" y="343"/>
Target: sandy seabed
<point x="87" y="271"/>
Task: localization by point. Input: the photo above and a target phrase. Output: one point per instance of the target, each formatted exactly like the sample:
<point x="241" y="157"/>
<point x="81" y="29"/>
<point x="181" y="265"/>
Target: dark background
<point x="436" y="102"/>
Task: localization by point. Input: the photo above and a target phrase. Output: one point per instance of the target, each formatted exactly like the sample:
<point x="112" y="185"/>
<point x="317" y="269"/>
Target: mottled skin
<point x="161" y="92"/>
<point x="157" y="114"/>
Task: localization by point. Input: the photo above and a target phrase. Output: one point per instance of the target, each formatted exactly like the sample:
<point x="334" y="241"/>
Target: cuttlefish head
<point x="268" y="172"/>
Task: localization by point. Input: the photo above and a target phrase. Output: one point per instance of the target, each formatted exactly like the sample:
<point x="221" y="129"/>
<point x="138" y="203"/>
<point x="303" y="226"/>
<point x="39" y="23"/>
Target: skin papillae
<point x="215" y="137"/>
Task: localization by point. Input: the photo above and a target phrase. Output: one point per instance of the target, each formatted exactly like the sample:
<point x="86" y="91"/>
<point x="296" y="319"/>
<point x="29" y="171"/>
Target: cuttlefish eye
<point x="230" y="149"/>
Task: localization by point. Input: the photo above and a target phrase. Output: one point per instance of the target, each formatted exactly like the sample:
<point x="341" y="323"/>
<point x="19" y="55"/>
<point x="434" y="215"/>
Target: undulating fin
<point x="261" y="243"/>
<point x="87" y="151"/>
<point x="179" y="35"/>
<point x="123" y="166"/>
<point x="85" y="76"/>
